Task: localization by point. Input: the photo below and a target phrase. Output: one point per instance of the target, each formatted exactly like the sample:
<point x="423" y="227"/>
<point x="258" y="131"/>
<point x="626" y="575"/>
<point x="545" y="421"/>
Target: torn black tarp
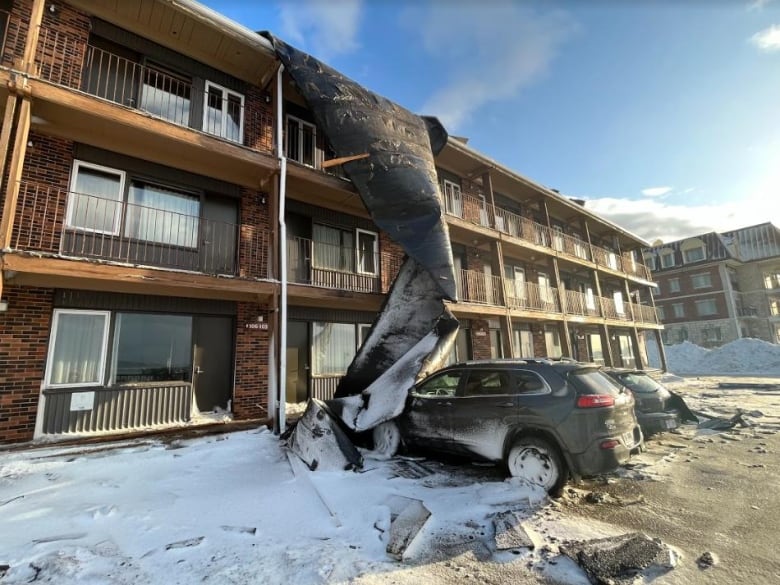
<point x="396" y="178"/>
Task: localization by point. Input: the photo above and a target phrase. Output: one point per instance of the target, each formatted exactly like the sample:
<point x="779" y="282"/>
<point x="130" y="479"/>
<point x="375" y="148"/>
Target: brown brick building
<point x="718" y="287"/>
<point x="140" y="252"/>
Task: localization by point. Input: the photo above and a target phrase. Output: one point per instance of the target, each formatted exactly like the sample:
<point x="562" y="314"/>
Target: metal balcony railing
<point x="339" y="267"/>
<point x="68" y="61"/>
<point x="578" y="303"/>
<point x="478" y="287"/>
<point x="80" y="225"/>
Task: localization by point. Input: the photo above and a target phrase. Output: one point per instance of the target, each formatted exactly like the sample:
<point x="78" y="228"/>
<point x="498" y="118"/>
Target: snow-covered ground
<point x="743" y="356"/>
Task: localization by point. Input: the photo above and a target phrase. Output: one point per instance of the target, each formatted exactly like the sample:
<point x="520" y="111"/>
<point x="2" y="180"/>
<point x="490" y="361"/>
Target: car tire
<point x="538" y="462"/>
<point x="387" y="438"/>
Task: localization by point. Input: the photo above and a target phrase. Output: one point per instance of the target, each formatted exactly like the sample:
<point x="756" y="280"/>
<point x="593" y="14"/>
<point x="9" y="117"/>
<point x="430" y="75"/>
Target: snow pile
<point x="743" y="356"/>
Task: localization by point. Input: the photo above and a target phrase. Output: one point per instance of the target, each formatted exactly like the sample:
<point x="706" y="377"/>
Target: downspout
<point x="282" y="255"/>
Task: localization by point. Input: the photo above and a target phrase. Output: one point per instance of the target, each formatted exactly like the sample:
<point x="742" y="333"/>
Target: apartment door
<point x="523" y="342"/>
<point x="298" y="367"/>
<point x="212" y="362"/>
<point x="218" y="231"/>
<point x="519" y="284"/>
<point x="489" y="295"/>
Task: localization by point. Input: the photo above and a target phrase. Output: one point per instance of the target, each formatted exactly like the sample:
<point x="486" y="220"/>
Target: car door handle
<point x="506" y="404"/>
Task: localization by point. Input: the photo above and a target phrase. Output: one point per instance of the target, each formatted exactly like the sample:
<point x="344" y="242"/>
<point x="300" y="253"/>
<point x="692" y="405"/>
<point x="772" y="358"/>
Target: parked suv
<point x="546" y="420"/>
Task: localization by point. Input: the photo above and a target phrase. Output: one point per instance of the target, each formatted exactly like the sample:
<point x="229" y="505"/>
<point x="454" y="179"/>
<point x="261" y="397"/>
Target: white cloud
<point x="489" y="51"/>
<point x="652" y="219"/>
<point x="325" y="28"/>
<point x="767" y="40"/>
<point x="656" y="191"/>
<point x="757" y="4"/>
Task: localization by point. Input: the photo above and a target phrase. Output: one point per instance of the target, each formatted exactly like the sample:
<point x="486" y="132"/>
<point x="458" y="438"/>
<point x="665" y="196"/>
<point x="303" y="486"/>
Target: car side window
<point x="487" y="383"/>
<point x="442" y="385"/>
<point x="529" y="383"/>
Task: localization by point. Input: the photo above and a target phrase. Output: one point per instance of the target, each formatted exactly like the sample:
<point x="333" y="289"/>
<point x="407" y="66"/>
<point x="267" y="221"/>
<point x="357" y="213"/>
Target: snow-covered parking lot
<point x="233" y="508"/>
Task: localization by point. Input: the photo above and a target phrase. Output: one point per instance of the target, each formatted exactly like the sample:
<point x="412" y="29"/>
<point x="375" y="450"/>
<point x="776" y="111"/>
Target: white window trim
<point x="681" y="311"/>
<point x="695" y="276"/>
<point x="676" y="288"/>
<point x="702" y="302"/>
<point x="667" y="255"/>
<point x="79" y="164"/>
<point x="450" y="205"/>
<point x="103" y="350"/>
<point x="703" y="255"/>
<point x="359" y="231"/>
<point x="301" y="124"/>
<point x="226" y="92"/>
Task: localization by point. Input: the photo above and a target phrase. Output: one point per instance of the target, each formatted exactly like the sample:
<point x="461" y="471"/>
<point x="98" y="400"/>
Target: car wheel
<point x="538" y="462"/>
<point x="387" y="438"/>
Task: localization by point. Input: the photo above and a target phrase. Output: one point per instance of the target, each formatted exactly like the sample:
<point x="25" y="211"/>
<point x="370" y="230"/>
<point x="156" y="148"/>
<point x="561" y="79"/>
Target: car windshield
<point x="592" y="381"/>
<point x="638" y="382"/>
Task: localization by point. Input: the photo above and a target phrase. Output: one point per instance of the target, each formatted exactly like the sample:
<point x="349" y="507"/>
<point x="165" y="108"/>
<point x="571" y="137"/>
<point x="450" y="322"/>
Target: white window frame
<point x="299" y="155"/>
<point x="649" y="260"/>
<point x="79" y="164"/>
<point x="617" y="298"/>
<point x="701" y="303"/>
<point x="696" y="249"/>
<point x="52" y="343"/>
<point x="706" y="275"/>
<point x="545" y="290"/>
<point x="358" y="267"/>
<point x="660" y="312"/>
<point x="360" y="328"/>
<point x="453" y="198"/>
<point x="678" y="310"/>
<point x="676" y="287"/>
<point x="225" y="94"/>
<point x="557" y="234"/>
<point x="664" y="256"/>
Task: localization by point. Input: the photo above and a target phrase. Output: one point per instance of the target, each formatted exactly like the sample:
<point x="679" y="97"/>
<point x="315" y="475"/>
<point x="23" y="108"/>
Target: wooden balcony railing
<point x="617" y="311"/>
<point x="578" y="303"/>
<point x="79" y="225"/>
<point x="339" y="267"/>
<point x="478" y="287"/>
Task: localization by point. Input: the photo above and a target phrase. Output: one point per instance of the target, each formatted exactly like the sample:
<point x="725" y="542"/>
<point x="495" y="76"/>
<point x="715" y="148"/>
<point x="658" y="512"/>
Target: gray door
<point x="212" y="362"/>
<point x="297" y="361"/>
<point x="218" y="235"/>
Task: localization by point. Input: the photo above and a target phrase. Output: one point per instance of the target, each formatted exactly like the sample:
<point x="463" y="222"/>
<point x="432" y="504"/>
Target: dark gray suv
<point x="545" y="419"/>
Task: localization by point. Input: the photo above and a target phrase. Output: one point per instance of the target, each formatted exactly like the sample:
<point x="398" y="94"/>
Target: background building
<point x="139" y="242"/>
<point x="718" y="287"/>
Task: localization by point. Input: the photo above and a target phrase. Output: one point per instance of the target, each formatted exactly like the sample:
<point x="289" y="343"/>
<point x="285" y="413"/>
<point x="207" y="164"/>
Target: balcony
<point x="76" y="225"/>
<point x="530" y="296"/>
<point x="69" y="62"/>
<point x="339" y="267"/>
<point x="480" y="288"/>
<point x="473" y="208"/>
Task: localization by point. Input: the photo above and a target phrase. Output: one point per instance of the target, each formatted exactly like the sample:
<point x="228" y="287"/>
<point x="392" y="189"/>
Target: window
<point x="674" y="285"/>
<point x="667" y="259"/>
<point x="774" y="307"/>
<point x="661" y="314"/>
<point x="95" y="202"/>
<point x="706" y="307"/>
<point x="334" y="248"/>
<point x="693" y="255"/>
<point x="333" y="348"/>
<point x="523" y="342"/>
<point x="77" y="352"/>
<point x="301" y="141"/>
<point x="481" y="383"/>
<point x="152" y="348"/>
<point x="677" y="309"/>
<point x="649" y="261"/>
<point x="166" y="95"/>
<point x="552" y="342"/>
<point x="453" y="199"/>
<point x="557" y="235"/>
<point x="772" y="280"/>
<point x="442" y="385"/>
<point x="545" y="291"/>
<point x="701" y="280"/>
<point x="619" y="306"/>
<point x="163" y="215"/>
<point x="223" y="113"/>
<point x="530" y="383"/>
<point x="713" y="334"/>
<point x="367" y="252"/>
<point x="363" y="330"/>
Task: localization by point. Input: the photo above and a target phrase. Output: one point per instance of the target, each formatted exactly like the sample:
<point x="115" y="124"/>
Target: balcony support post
<point x="5" y="135"/>
<point x="565" y="332"/>
<point x="31" y="43"/>
<point x="15" y="173"/>
<point x="497" y="262"/>
<point x="661" y="351"/>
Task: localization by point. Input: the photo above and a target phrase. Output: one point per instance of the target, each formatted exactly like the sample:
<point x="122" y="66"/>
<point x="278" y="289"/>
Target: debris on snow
<point x="510" y="531"/>
<point x="707" y="560"/>
<point x="405" y="524"/>
<point x="619" y="559"/>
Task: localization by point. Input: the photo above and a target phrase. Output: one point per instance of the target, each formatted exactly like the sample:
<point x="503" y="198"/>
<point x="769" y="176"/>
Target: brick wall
<point x="40" y="211"/>
<point x="62" y="45"/>
<point x="391" y="256"/>
<point x="250" y="393"/>
<point x="258" y="121"/>
<point x="255" y="240"/>
<point x="480" y="340"/>
<point x="23" y="343"/>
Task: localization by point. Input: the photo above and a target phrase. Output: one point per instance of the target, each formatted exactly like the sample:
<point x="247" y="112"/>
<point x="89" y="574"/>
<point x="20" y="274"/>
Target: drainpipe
<point x="282" y="255"/>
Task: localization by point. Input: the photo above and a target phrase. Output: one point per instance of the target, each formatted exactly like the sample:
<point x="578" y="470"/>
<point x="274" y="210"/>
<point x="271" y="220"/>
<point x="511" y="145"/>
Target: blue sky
<point x="664" y="115"/>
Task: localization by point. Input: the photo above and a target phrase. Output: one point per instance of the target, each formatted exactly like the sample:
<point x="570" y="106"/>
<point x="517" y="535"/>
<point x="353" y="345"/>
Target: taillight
<point x="595" y="400"/>
<point x="609" y="444"/>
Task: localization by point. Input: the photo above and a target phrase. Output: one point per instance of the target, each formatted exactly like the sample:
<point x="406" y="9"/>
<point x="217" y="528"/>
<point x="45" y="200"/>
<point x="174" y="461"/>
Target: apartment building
<point x="717" y="287"/>
<point x="140" y="255"/>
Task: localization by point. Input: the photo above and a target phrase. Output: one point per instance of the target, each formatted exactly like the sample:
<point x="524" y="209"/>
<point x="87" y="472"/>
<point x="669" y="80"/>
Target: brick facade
<point x="23" y="345"/>
<point x="250" y="391"/>
<point x="254" y="242"/>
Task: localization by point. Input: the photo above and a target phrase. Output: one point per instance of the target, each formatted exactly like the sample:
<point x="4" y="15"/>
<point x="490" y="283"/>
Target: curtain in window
<point x="156" y="214"/>
<point x="333" y="347"/>
<point x="333" y="248"/>
<point x="166" y="96"/>
<point x="96" y="203"/>
<point x="78" y="349"/>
